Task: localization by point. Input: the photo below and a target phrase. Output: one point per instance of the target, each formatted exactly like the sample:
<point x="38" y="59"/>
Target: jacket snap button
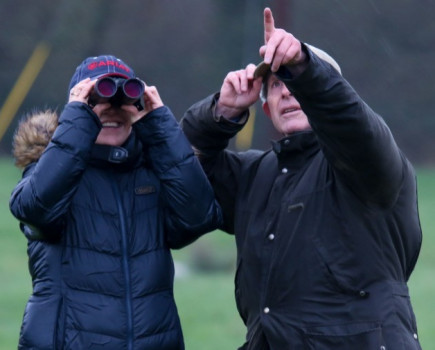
<point x="415" y="336"/>
<point x="271" y="237"/>
<point x="266" y="310"/>
<point x="362" y="293"/>
<point x="284" y="170"/>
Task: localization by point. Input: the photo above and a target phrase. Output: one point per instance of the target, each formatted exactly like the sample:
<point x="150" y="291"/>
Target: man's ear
<point x="266" y="109"/>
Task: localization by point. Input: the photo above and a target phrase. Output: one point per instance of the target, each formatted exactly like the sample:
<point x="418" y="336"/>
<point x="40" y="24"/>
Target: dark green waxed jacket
<point x="326" y="221"/>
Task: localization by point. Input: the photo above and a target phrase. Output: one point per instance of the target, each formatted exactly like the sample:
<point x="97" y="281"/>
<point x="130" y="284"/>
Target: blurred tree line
<point x="185" y="48"/>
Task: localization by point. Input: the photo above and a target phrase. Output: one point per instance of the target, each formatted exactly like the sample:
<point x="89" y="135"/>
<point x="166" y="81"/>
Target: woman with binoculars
<point x="108" y="188"/>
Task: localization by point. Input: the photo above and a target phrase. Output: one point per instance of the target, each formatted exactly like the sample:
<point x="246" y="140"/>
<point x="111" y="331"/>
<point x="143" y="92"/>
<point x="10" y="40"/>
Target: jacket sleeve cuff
<point x="240" y="120"/>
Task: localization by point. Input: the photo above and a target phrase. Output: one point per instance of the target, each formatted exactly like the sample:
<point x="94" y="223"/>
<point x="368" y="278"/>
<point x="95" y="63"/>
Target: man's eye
<point x="276" y="84"/>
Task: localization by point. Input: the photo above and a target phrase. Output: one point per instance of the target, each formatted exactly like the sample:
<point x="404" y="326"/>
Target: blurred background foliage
<point x="386" y="49"/>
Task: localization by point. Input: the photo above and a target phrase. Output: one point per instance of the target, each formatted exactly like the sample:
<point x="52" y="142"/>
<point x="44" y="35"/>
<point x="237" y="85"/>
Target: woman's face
<point x="116" y="121"/>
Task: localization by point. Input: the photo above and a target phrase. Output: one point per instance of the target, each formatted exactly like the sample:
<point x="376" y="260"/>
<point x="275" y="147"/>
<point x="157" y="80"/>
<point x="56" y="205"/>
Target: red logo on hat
<point x="95" y="65"/>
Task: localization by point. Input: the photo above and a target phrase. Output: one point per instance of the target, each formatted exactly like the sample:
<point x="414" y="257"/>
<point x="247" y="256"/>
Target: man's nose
<point x="285" y="92"/>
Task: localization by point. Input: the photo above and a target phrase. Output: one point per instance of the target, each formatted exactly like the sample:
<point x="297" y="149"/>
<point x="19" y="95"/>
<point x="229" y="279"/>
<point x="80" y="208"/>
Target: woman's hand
<point x="152" y="101"/>
<point x="80" y="92"/>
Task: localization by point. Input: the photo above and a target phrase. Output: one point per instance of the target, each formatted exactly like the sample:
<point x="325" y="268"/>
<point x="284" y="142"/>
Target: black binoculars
<point x="118" y="91"/>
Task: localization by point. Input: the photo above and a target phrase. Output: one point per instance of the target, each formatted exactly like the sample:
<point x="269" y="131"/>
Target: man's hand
<point x="238" y="92"/>
<point x="280" y="47"/>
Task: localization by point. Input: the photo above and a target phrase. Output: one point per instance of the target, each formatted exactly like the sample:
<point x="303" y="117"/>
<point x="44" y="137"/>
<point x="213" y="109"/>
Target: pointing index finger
<point x="269" y="24"/>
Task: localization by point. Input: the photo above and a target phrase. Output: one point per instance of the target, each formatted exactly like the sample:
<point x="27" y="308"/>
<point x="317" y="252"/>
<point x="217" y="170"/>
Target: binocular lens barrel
<point x="117" y="91"/>
<point x="106" y="87"/>
<point x="133" y="88"/>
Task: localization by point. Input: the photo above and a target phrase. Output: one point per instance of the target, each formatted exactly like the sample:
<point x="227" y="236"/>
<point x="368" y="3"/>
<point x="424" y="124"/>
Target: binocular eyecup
<point x="118" y="92"/>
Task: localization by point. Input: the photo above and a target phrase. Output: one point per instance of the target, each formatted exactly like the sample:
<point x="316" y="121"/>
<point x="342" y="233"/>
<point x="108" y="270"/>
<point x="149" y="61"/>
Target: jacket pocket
<point x="405" y="317"/>
<point x="59" y="332"/>
<point x="40" y="320"/>
<point x="238" y="292"/>
<point x="355" y="336"/>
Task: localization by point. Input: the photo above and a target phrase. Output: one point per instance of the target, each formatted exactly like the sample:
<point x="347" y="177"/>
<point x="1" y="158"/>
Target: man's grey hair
<point x="266" y="72"/>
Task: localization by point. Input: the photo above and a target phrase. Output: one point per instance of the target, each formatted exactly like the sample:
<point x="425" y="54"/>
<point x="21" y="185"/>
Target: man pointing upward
<point x="326" y="221"/>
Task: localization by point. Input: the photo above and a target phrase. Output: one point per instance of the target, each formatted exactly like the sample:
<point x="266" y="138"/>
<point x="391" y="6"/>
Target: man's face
<point x="283" y="109"/>
<point x="117" y="123"/>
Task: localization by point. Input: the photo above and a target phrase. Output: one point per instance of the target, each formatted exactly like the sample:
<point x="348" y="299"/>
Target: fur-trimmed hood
<point x="32" y="136"/>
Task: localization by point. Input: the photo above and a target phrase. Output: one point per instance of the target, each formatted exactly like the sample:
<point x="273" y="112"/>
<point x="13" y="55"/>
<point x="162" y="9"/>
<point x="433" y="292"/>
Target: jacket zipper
<point x="125" y="264"/>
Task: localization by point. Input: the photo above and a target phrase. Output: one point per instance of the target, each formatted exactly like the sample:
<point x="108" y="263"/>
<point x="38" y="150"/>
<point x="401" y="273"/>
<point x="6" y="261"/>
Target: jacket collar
<point x="296" y="148"/>
<point x="125" y="156"/>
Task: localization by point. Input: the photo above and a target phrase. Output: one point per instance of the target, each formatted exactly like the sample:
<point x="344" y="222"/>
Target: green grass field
<point x="204" y="298"/>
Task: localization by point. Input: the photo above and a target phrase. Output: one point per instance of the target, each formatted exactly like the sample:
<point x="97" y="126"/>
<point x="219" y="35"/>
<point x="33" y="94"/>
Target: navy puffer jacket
<point x="100" y="222"/>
